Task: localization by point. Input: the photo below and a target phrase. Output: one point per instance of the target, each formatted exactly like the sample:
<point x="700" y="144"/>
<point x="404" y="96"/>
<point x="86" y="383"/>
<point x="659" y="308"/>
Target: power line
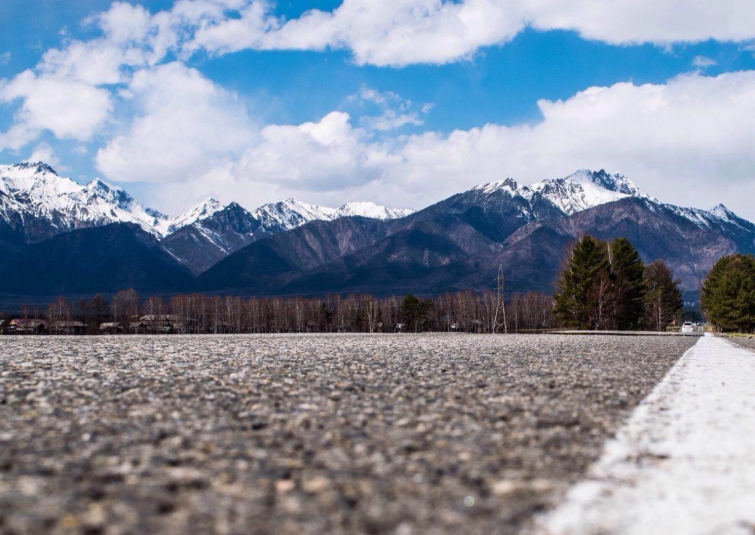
<point x="500" y="306"/>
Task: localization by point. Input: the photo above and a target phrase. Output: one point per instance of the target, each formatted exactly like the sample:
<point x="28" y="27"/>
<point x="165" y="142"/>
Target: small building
<point x="111" y="328"/>
<point x="27" y="326"/>
<point x="68" y="327"/>
<point x="137" y="327"/>
<point x="159" y="323"/>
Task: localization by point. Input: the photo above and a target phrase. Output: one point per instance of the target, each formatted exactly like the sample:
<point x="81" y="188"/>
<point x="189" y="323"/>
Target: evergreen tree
<point x="663" y="300"/>
<point x="728" y="294"/>
<point x="628" y="277"/>
<point x="98" y="310"/>
<point x="416" y="312"/>
<point x="577" y="299"/>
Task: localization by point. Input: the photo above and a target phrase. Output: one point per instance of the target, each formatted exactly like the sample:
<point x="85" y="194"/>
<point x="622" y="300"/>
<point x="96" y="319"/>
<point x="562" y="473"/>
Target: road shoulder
<point x="684" y="462"/>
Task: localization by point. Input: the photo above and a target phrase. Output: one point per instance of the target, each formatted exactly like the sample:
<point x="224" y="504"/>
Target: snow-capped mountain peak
<point x="577" y="192"/>
<point x="722" y="212"/>
<point x="291" y="213"/>
<point x="372" y="210"/>
<point x="585" y="189"/>
<point x="508" y="185"/>
<point x="617" y="182"/>
<point x="35" y="192"/>
<point x="199" y="212"/>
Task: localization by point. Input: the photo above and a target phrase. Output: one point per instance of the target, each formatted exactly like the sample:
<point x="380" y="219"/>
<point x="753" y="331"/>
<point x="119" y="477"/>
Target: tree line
<point x="198" y="314"/>
<point x="605" y="285"/>
<point x="601" y="285"/>
<point x="728" y="294"/>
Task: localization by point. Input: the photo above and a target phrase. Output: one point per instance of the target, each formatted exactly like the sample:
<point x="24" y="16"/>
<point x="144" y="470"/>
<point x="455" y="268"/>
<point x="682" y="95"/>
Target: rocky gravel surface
<point x="747" y="341"/>
<point x="308" y="434"/>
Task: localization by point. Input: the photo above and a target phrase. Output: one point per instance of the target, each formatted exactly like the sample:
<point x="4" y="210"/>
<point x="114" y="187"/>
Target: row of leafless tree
<point x="461" y="311"/>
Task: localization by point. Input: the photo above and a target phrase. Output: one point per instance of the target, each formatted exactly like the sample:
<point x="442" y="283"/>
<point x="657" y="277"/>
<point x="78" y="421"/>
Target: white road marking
<point x="685" y="461"/>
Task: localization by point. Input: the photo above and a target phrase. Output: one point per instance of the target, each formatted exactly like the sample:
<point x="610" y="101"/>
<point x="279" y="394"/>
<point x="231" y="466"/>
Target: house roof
<point x="21" y="322"/>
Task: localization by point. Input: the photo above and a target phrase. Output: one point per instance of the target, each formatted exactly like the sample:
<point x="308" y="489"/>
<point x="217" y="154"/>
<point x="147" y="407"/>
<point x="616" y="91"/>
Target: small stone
<point x="283" y="486"/>
<point x="316" y="484"/>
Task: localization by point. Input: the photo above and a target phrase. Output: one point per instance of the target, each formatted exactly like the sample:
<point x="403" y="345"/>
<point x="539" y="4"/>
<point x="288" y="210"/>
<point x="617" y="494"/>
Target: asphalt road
<point x="683" y="463"/>
<point x="308" y="434"/>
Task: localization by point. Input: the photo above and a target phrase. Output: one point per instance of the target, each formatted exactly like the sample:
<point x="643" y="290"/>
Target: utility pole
<point x="500" y="306"/>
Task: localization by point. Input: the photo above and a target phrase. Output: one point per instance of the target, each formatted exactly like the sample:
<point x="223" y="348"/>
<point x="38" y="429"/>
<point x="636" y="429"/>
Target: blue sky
<point x="330" y="115"/>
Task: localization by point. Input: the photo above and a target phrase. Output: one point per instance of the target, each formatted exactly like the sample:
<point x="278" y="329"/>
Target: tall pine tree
<point x="577" y="304"/>
<point x="728" y="294"/>
<point x="663" y="300"/>
<point x="628" y="277"/>
<point x="605" y="286"/>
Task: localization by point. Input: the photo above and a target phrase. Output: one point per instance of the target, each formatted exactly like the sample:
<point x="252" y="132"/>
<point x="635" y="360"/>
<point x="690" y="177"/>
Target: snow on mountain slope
<point x="34" y="191"/>
<point x="586" y="189"/>
<point x="372" y="210"/>
<point x="201" y="211"/>
<point x="34" y="199"/>
<point x="291" y="213"/>
<point x="716" y="217"/>
<point x="572" y="194"/>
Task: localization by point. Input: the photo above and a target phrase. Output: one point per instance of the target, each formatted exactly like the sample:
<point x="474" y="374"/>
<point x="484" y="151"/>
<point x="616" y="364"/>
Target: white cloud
<point x="185" y="125"/>
<point x="702" y="62"/>
<point x="69" y="91"/>
<point x="125" y="23"/>
<point x="190" y="132"/>
<point x="394" y="111"/>
<point x="404" y="32"/>
<point x="69" y="109"/>
<point x="323" y="156"/>
<point x="679" y="140"/>
<point x="688" y="141"/>
<point x="5" y="58"/>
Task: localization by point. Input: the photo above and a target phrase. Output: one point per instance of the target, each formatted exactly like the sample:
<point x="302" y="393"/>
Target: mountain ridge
<point x="457" y="243"/>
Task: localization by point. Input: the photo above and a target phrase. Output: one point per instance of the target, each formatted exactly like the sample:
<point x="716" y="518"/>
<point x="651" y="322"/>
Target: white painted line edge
<point x="685" y="460"/>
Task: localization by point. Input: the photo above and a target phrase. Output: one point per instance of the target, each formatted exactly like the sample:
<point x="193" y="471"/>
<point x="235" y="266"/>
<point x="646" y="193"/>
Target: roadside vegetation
<point x="728" y="294"/>
<point x="606" y="286"/>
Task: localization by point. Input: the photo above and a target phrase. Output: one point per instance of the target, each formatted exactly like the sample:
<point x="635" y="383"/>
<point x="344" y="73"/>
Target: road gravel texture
<point x="308" y="433"/>
<point x="748" y="341"/>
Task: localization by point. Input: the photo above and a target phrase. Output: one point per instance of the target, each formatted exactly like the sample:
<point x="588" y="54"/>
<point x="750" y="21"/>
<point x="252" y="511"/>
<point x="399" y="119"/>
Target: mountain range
<point x="38" y="204"/>
<point x="63" y="237"/>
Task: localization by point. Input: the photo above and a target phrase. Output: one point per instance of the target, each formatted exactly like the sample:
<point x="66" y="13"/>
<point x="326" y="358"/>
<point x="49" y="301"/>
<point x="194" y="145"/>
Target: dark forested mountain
<point x="204" y="242"/>
<point x="101" y="259"/>
<point x="295" y="248"/>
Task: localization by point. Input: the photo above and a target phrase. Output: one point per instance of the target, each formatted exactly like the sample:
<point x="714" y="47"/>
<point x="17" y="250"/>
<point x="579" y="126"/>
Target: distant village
<point x="148" y="324"/>
<point x="127" y="313"/>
